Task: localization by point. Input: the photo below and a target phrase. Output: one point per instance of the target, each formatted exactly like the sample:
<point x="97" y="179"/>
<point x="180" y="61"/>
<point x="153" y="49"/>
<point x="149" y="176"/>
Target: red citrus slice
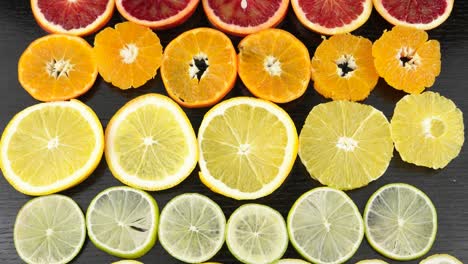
<point x="332" y="17"/>
<point x="244" y="17"/>
<point x="157" y="14"/>
<point x="420" y="14"/>
<point x="74" y="17"/>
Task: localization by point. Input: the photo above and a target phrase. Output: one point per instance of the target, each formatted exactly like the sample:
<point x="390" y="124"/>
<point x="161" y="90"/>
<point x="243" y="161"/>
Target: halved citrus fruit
<point x="428" y="130"/>
<point x="406" y="59"/>
<point x="421" y="14"/>
<point x="247" y="148"/>
<point x="72" y="17"/>
<point x="57" y="67"/>
<point x="244" y="17"/>
<point x="274" y="65"/>
<point x="199" y="67"/>
<point x="129" y="55"/>
<point x="332" y="17"/>
<point x="343" y="68"/>
<point x="50" y="147"/>
<point x="160" y="14"/>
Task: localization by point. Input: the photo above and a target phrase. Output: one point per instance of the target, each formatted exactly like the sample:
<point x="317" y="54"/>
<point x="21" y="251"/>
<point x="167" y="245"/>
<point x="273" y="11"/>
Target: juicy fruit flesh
<point x="415" y="12"/>
<point x="72" y="14"/>
<point x="244" y="13"/>
<point x="331" y="14"/>
<point x="154" y="10"/>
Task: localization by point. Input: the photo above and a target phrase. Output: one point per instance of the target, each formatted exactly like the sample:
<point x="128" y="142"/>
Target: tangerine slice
<point x="343" y="68"/>
<point x="274" y="65"/>
<point x="129" y="55"/>
<point x="57" y="67"/>
<point x="406" y="59"/>
<point x="199" y="67"/>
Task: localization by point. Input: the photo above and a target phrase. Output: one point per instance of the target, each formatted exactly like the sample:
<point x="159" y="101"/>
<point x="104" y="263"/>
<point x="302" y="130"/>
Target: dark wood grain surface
<point x="448" y="188"/>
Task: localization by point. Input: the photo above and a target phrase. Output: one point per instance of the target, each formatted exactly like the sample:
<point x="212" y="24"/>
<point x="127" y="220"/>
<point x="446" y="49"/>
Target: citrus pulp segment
<point x="49" y="229"/>
<point x="440" y="259"/>
<point x="428" y="130"/>
<point x="192" y="228"/>
<point x="199" y="67"/>
<point x="345" y="145"/>
<point x="419" y="14"/>
<point x="247" y="148"/>
<point x="325" y="226"/>
<point x="343" y="68"/>
<point x="274" y="65"/>
<point x="82" y="17"/>
<point x="161" y="14"/>
<point x="371" y="261"/>
<point x="50" y="147"/>
<point x="150" y="143"/>
<point x="244" y="17"/>
<point x="332" y="17"/>
<point x="291" y="261"/>
<point x="406" y="59"/>
<point x="123" y="222"/>
<point x="127" y="56"/>
<point x="256" y="234"/>
<point x="400" y="221"/>
<point x="57" y="67"/>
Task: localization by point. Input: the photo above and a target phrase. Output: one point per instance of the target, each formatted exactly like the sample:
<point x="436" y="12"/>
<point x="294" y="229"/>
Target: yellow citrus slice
<point x="150" y="143"/>
<point x="247" y="147"/>
<point x="50" y="147"/>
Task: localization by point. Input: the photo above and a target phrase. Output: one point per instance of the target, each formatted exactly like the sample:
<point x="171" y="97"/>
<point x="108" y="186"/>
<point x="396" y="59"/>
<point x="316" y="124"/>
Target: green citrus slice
<point x="440" y="259"/>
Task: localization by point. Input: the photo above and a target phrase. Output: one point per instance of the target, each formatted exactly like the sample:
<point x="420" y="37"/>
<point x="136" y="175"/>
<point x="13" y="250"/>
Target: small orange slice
<point x="406" y="59"/>
<point x="343" y="68"/>
<point x="199" y="67"/>
<point x="57" y="67"/>
<point x="274" y="65"/>
<point x="129" y="55"/>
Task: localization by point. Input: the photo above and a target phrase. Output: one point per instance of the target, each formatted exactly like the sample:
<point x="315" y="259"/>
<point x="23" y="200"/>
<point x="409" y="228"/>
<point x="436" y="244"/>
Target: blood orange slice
<point x="332" y="17"/>
<point x="244" y="17"/>
<point x="421" y="14"/>
<point x="157" y="14"/>
<point x="74" y="17"/>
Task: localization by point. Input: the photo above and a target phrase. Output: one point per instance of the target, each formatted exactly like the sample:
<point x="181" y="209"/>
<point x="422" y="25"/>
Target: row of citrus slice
<point x="200" y="66"/>
<point x="238" y="17"/>
<point x="323" y="225"/>
<point x="246" y="147"/>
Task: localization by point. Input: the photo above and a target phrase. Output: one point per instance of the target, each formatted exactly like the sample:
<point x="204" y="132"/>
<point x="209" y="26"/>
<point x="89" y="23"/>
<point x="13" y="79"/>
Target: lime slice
<point x="371" y="261"/>
<point x="50" y="147"/>
<point x="292" y="261"/>
<point x="256" y="234"/>
<point x="150" y="143"/>
<point x="127" y="261"/>
<point x="325" y="226"/>
<point x="247" y="148"/>
<point x="49" y="229"/>
<point x="123" y="222"/>
<point x="401" y="222"/>
<point x="441" y="259"/>
<point x="192" y="228"/>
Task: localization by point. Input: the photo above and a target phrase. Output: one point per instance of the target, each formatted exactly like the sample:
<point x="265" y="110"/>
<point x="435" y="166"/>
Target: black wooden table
<point x="448" y="188"/>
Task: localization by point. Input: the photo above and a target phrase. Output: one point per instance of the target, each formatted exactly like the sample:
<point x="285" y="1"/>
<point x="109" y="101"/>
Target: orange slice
<point x="343" y="68"/>
<point x="406" y="59"/>
<point x="199" y="67"/>
<point x="57" y="67"/>
<point x="129" y="55"/>
<point x="274" y="65"/>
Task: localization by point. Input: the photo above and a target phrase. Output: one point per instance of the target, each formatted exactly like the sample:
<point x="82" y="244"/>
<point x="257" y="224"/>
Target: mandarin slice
<point x="343" y="68"/>
<point x="199" y="67"/>
<point x="127" y="56"/>
<point x="274" y="65"/>
<point x="406" y="59"/>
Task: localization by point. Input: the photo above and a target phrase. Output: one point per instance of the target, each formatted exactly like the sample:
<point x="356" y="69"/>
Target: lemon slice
<point x="150" y="143"/>
<point x="247" y="148"/>
<point x="49" y="229"/>
<point x="345" y="145"/>
<point x="428" y="129"/>
<point x="50" y="147"/>
<point x="291" y="261"/>
<point x="400" y="221"/>
<point x="440" y="259"/>
<point x="371" y="261"/>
